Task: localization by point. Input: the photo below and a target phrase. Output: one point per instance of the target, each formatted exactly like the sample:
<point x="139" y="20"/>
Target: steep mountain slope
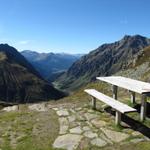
<point x="105" y="60"/>
<point x="139" y="68"/>
<point x="19" y="81"/>
<point x="48" y="64"/>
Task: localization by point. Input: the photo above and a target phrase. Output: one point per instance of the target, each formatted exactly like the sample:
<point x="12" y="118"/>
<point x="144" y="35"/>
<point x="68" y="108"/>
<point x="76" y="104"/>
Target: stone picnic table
<point x="134" y="86"/>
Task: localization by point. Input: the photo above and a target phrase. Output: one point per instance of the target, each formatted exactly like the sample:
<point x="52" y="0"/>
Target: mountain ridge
<point x="106" y="60"/>
<point x="19" y="81"/>
<point x="48" y="64"/>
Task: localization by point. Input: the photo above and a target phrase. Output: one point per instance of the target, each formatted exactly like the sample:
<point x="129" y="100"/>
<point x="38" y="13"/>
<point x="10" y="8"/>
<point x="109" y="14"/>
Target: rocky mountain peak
<point x="105" y="60"/>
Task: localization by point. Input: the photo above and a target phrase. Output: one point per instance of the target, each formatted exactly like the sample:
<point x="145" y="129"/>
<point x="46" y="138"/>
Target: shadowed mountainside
<point x="19" y="81"/>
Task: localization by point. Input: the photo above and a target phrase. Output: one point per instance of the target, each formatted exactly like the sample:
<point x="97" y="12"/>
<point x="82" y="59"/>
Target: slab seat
<point x="118" y="106"/>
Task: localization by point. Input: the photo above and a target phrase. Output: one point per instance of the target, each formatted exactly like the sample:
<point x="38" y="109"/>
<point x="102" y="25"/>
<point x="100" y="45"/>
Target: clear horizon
<point x="70" y="26"/>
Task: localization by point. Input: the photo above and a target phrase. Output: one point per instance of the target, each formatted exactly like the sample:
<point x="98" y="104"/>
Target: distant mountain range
<point x="106" y="60"/>
<point x="19" y="81"/>
<point x="49" y="64"/>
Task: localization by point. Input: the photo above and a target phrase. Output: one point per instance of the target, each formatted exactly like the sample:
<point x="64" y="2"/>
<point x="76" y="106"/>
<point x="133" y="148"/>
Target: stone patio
<point x="79" y="124"/>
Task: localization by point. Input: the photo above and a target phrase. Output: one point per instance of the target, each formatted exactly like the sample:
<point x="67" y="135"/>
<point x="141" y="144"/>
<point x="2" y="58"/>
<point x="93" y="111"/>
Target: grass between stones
<point x="28" y="130"/>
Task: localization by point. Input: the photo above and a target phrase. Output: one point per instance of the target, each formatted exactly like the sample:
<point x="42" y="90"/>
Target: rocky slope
<point x="19" y="81"/>
<point x="106" y="60"/>
<point x="139" y="68"/>
<point x="48" y="64"/>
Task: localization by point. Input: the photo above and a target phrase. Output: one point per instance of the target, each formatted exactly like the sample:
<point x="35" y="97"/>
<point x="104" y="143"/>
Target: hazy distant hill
<point x="19" y="81"/>
<point x="106" y="60"/>
<point x="48" y="64"/>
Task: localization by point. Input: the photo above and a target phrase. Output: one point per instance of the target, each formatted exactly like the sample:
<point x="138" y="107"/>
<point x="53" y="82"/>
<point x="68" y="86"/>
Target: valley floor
<point x="56" y="125"/>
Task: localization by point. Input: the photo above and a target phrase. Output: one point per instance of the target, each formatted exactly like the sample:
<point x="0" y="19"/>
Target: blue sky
<point x="73" y="26"/>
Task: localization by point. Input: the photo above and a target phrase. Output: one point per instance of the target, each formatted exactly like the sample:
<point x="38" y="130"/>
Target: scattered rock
<point x="76" y="130"/>
<point x="62" y="113"/>
<point x="115" y="136"/>
<point x="11" y="108"/>
<point x="98" y="142"/>
<point x="38" y="107"/>
<point x="98" y="123"/>
<point x="68" y="141"/>
<point x="90" y="134"/>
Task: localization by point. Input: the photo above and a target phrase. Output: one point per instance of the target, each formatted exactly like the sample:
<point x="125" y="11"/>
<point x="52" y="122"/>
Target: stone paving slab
<point x="67" y="141"/>
<point x="64" y="125"/>
<point x="76" y="130"/>
<point x="90" y="134"/>
<point x="115" y="136"/>
<point x="98" y="123"/>
<point x="79" y="125"/>
<point x="38" y="107"/>
<point x="98" y="142"/>
<point x="62" y="113"/>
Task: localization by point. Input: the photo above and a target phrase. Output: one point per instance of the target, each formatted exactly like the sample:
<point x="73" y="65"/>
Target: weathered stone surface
<point x="115" y="136"/>
<point x="90" y="110"/>
<point x="98" y="123"/>
<point x="102" y="135"/>
<point x="90" y="134"/>
<point x="98" y="142"/>
<point x="86" y="128"/>
<point x="89" y="124"/>
<point x="73" y="124"/>
<point x="90" y="116"/>
<point x="63" y="125"/>
<point x="71" y="118"/>
<point x="80" y="118"/>
<point x="68" y="141"/>
<point x="63" y="121"/>
<point x="76" y="130"/>
<point x="62" y="113"/>
<point x="11" y="108"/>
<point x="86" y="124"/>
<point x="78" y="109"/>
<point x="72" y="110"/>
<point x="84" y="144"/>
<point x="55" y="108"/>
<point x="38" y="107"/>
<point x="63" y="129"/>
